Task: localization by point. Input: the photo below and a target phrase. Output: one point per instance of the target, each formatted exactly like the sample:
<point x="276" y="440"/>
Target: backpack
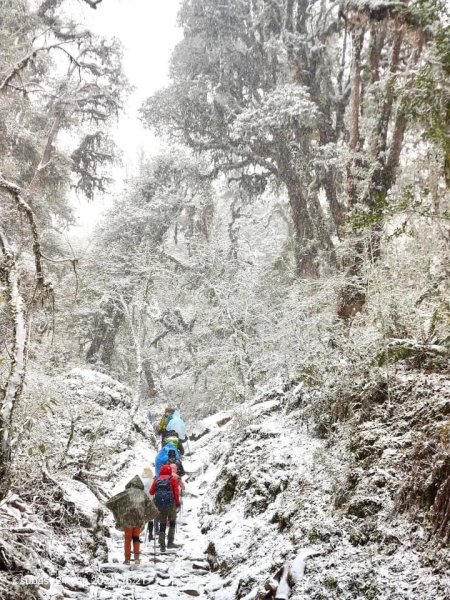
<point x="131" y="508"/>
<point x="162" y="424"/>
<point x="171" y="439"/>
<point x="163" y="456"/>
<point x="163" y="494"/>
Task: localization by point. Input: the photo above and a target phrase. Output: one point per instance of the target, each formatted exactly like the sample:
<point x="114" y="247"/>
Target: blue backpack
<point x="163" y="494"/>
<point x="163" y="456"/>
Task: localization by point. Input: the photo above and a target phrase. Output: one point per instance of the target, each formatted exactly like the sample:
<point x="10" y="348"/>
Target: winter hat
<point x="166" y="470"/>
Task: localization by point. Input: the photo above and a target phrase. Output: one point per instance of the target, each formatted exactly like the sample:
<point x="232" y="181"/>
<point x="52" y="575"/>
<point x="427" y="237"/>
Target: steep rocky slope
<point x="52" y="521"/>
<point x="277" y="492"/>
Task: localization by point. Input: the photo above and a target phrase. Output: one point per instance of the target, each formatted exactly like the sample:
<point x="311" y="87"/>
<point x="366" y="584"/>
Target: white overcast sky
<point x="148" y="31"/>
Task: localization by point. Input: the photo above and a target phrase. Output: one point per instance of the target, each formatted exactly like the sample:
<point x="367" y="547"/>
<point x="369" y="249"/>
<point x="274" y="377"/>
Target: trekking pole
<point x="154" y="543"/>
<point x="188" y="447"/>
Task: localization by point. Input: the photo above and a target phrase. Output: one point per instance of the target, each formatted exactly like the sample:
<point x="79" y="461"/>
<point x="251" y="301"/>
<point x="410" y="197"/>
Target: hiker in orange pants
<point x="132" y="509"/>
<point x="132" y="533"/>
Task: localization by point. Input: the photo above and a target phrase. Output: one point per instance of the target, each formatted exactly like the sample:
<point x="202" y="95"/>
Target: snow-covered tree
<point x="254" y="87"/>
<point x="56" y="80"/>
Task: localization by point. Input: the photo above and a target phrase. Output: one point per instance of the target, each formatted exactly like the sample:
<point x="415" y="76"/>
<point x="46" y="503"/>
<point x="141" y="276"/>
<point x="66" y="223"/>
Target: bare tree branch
<point x="25" y="208"/>
<point x="53" y="4"/>
<point x="178" y="263"/>
<point x="25" y="61"/>
<point x="93" y="3"/>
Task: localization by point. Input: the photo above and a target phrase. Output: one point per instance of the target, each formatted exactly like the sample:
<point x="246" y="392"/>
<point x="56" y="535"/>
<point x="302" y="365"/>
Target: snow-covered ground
<point x="265" y="515"/>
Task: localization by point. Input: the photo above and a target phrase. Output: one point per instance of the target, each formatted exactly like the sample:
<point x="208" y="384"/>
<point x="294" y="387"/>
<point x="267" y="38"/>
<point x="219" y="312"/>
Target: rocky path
<point x="174" y="575"/>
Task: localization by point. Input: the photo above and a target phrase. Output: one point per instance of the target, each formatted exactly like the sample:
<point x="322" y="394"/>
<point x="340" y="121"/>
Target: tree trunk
<point x="151" y="386"/>
<point x="11" y="393"/>
<point x="381" y="159"/>
<point x="355" y="101"/>
<point x="106" y="324"/>
<point x="305" y="239"/>
<point x="352" y="296"/>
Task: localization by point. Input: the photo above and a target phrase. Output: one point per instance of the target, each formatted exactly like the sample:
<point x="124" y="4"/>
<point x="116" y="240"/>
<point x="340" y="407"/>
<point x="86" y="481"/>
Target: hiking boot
<point x="137" y="562"/>
<point x="171" y="537"/>
<point x="126" y="561"/>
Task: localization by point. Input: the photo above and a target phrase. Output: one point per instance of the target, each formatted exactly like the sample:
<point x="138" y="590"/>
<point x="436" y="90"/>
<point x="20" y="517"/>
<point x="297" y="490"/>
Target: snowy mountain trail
<point x="172" y="575"/>
<point x="213" y="544"/>
<point x="225" y="222"/>
<point x="271" y="511"/>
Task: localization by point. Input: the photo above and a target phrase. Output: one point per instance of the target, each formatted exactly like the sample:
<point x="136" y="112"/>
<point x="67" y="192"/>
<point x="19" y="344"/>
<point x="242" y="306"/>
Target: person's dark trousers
<point x="167" y="514"/>
<point x="152" y="525"/>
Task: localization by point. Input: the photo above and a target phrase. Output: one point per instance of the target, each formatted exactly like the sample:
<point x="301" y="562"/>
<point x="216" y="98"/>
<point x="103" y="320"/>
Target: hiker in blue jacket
<point x="163" y="457"/>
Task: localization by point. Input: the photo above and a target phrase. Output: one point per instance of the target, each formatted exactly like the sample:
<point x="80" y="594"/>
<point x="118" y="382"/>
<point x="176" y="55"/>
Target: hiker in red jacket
<point x="166" y="491"/>
<point x="174" y="468"/>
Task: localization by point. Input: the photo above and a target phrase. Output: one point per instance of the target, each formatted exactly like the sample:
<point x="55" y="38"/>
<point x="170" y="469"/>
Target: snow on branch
<point x="25" y="208"/>
<point x="375" y="8"/>
<point x="48" y="5"/>
<point x="379" y="10"/>
<point x="29" y="58"/>
<point x="280" y="587"/>
<point x="93" y="3"/>
<point x="10" y="276"/>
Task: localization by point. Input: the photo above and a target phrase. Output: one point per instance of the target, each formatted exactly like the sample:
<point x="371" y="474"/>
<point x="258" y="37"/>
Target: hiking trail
<point x="173" y="575"/>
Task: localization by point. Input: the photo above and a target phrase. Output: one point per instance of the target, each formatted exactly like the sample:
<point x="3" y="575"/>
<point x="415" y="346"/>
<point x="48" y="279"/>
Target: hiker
<point x="166" y="492"/>
<point x="176" y="424"/>
<point x="162" y="427"/>
<point x="163" y="456"/>
<point x="171" y="437"/>
<point x="175" y="474"/>
<point x="132" y="509"/>
<point x="147" y="479"/>
<point x="173" y="460"/>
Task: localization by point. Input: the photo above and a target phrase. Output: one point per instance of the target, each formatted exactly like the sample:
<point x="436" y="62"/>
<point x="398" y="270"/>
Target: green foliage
<point x="412" y="200"/>
<point x="440" y="319"/>
<point x="393" y="355"/>
<point x="429" y="104"/>
<point x="309" y="374"/>
<point x="427" y="101"/>
<point x="425" y="13"/>
<point x="442" y="41"/>
<point x="366" y="218"/>
<point x="330" y="582"/>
